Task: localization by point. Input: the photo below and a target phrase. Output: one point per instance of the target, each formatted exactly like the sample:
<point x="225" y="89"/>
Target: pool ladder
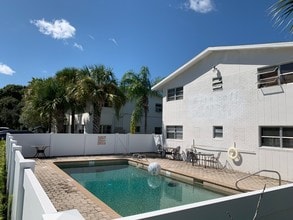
<point x="254" y="174"/>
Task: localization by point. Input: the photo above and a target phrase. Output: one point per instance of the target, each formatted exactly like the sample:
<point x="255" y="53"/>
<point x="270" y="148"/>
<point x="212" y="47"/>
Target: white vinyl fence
<point x="29" y="200"/>
<point x="86" y="144"/>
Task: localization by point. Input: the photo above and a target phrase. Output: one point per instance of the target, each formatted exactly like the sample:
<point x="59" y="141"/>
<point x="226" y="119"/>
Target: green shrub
<point x="3" y="197"/>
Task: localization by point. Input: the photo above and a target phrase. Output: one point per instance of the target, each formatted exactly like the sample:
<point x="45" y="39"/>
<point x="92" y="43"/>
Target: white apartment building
<point x="238" y="96"/>
<point x="111" y="124"/>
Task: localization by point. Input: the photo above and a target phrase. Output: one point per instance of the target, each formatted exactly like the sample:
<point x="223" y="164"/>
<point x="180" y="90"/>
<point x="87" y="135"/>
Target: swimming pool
<point x="129" y="190"/>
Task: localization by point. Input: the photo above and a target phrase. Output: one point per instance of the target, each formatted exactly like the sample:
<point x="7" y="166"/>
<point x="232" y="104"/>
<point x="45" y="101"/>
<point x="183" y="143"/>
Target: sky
<point x="40" y="37"/>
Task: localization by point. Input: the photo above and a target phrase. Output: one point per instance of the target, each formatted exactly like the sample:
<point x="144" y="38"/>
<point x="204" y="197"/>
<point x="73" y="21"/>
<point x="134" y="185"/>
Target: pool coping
<point x="189" y="179"/>
<point x="182" y="168"/>
<point x="143" y="165"/>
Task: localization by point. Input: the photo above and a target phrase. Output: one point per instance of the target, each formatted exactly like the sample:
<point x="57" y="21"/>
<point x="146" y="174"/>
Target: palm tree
<point x="68" y="78"/>
<point x="138" y="89"/>
<point x="46" y="98"/>
<point x="53" y="102"/>
<point x="282" y="13"/>
<point x="99" y="86"/>
<point x="30" y="114"/>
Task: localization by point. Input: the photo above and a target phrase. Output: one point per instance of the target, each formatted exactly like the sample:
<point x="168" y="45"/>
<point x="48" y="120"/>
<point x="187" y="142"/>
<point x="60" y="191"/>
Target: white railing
<point x="29" y="200"/>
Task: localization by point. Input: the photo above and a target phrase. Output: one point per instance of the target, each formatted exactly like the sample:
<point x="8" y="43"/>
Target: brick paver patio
<point x="66" y="194"/>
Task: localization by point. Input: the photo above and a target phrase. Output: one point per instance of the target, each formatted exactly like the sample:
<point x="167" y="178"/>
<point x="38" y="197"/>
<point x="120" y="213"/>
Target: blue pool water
<point x="130" y="190"/>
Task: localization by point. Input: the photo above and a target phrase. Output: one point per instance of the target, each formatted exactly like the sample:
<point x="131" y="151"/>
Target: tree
<point x="52" y="102"/>
<point x="30" y="115"/>
<point x="282" y="13"/>
<point x="68" y="78"/>
<point x="99" y="87"/>
<point x="10" y="105"/>
<point x="138" y="89"/>
<point x="45" y="98"/>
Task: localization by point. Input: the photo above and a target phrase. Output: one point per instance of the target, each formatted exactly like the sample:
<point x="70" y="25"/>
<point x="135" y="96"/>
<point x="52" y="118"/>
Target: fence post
<point x="115" y="143"/>
<point x="9" y="162"/>
<point x="50" y="144"/>
<point x="10" y="174"/>
<point x="7" y="158"/>
<point x="127" y="143"/>
<point x="18" y="192"/>
<point x="84" y="144"/>
<point x="9" y="150"/>
<point x="9" y="138"/>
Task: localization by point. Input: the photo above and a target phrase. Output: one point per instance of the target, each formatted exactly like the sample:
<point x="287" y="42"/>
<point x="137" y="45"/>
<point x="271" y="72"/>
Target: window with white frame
<point x="174" y="132"/>
<point x="276" y="137"/>
<point x="275" y="75"/>
<point x="218" y="131"/>
<point x="175" y="94"/>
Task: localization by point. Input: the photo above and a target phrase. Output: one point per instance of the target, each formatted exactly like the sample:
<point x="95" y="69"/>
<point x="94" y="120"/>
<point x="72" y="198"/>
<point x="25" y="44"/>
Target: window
<point x="268" y="76"/>
<point x="158" y="107"/>
<point x="174" y="132"/>
<point x="218" y="131"/>
<point x="286" y="71"/>
<point x="275" y="75"/>
<point x="277" y="137"/>
<point x="175" y="94"/>
<point x="105" y="129"/>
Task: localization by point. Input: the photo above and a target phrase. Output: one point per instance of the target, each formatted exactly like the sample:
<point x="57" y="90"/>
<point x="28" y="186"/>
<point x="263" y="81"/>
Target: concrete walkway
<point x="67" y="194"/>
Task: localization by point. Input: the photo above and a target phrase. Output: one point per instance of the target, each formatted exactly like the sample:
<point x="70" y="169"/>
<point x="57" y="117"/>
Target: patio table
<point x="40" y="150"/>
<point x="202" y="159"/>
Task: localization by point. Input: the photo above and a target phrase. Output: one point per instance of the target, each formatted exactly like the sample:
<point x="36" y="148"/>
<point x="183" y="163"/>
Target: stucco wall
<point x="240" y="107"/>
<point x="122" y="123"/>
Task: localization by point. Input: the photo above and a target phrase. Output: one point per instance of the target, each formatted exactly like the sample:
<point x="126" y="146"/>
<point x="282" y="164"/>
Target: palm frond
<point x="282" y="12"/>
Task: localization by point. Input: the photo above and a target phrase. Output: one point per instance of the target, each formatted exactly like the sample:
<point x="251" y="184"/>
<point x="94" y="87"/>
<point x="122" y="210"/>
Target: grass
<point x="3" y="197"/>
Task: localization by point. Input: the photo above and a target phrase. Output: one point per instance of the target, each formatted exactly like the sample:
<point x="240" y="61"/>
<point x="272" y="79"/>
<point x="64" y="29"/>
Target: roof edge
<point x="209" y="50"/>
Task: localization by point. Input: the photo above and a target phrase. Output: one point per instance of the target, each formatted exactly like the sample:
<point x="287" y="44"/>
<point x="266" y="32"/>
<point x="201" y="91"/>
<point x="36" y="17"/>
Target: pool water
<point x="130" y="190"/>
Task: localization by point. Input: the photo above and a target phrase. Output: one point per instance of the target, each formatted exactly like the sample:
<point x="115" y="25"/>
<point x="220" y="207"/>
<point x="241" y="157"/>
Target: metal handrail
<point x="253" y="174"/>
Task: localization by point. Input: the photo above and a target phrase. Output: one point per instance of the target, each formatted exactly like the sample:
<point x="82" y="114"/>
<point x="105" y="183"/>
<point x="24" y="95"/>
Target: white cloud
<point x="114" y="41"/>
<point x="58" y="29"/>
<point x="201" y="6"/>
<point x="78" y="46"/>
<point x="4" y="69"/>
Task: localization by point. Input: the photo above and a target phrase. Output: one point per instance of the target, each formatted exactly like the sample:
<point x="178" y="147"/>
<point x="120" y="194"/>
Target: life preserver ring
<point x="233" y="153"/>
